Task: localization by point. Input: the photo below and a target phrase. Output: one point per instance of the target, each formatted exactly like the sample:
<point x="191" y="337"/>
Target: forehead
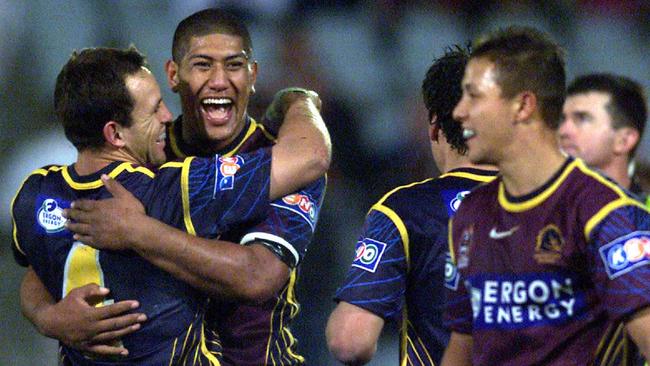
<point x="215" y="45"/>
<point x="143" y="88"/>
<point x="480" y="73"/>
<point x="590" y="101"/>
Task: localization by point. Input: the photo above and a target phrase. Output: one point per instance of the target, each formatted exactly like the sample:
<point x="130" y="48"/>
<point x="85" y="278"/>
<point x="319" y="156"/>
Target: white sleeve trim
<point x="272" y="238"/>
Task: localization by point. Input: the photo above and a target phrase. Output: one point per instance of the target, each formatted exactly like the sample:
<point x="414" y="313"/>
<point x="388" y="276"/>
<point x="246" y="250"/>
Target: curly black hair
<point x="441" y="91"/>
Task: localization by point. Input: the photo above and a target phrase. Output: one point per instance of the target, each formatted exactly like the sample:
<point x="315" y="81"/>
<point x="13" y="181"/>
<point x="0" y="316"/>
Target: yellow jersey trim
<point x="113" y="174"/>
<point x="251" y="128"/>
<point x="185" y="195"/>
<point x="14" y="232"/>
<point x="539" y="198"/>
<point x="607" y="209"/>
<point x="472" y="176"/>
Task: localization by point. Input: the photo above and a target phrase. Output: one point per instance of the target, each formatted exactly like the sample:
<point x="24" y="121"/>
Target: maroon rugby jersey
<point x="547" y="278"/>
<point x="254" y="335"/>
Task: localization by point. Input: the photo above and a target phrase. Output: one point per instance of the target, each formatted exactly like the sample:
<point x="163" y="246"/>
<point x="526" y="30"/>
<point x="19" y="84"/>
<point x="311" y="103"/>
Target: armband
<point x="279" y="250"/>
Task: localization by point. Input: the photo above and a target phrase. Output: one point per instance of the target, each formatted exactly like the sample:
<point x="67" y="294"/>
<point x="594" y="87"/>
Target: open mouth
<point x="162" y="137"/>
<point x="468" y="133"/>
<point x="217" y="110"/>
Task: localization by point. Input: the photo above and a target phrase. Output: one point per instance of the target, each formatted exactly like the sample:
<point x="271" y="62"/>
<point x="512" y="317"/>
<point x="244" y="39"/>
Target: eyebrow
<point x="227" y="58"/>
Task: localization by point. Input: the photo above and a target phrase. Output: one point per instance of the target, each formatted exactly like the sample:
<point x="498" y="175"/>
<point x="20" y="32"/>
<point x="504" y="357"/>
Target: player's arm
<point x="74" y="320"/>
<point x="352" y="334"/>
<point x="638" y="327"/>
<point x="206" y="264"/>
<point x="209" y="264"/>
<point x="458" y="351"/>
<point x="302" y="152"/>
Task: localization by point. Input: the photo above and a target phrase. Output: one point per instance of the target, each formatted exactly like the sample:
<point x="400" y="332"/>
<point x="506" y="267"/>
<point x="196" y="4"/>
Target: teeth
<point x="217" y="101"/>
<point x="467" y="133"/>
<point x="162" y="136"/>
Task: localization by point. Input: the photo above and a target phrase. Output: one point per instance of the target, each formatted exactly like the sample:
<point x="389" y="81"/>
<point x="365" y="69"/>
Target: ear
<point x="113" y="134"/>
<point x="171" y="69"/>
<point x="434" y="131"/>
<point x="525" y="106"/>
<point x="625" y="140"/>
<point x="253" y="66"/>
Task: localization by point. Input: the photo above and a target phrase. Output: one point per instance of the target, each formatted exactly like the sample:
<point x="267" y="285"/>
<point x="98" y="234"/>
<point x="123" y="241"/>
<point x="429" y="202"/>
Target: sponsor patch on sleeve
<point x="451" y="273"/>
<point x="453" y="198"/>
<point x="368" y="254"/>
<point x="226" y="168"/>
<point x="301" y="204"/>
<point x="49" y="214"/>
<point x="626" y="253"/>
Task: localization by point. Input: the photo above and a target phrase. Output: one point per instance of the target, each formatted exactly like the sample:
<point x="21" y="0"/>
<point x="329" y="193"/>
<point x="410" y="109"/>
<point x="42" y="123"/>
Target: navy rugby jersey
<point x="398" y="270"/>
<point x="260" y="334"/>
<point x="194" y="192"/>
<point x="547" y="278"/>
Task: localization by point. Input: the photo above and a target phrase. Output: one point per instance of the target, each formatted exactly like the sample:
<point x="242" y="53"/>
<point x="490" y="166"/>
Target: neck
<point x="456" y="161"/>
<point x="617" y="170"/>
<point x="198" y="143"/>
<point x="534" y="159"/>
<point x="91" y="161"/>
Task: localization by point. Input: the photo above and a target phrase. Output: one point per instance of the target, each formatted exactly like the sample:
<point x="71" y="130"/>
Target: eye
<point x="201" y="65"/>
<point x="235" y="65"/>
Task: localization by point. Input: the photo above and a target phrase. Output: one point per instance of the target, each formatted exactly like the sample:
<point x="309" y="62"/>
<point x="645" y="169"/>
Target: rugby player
<point x="551" y="256"/>
<point x="399" y="268"/>
<point x="111" y="110"/>
<point x="253" y="275"/>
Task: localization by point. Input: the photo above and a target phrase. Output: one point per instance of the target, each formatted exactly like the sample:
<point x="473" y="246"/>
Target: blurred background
<point x="366" y="59"/>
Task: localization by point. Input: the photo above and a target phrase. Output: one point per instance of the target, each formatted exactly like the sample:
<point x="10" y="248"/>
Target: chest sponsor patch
<point x="368" y="254"/>
<point x="626" y="253"/>
<point x="517" y="301"/>
<point x="301" y="204"/>
<point x="49" y="214"/>
<point x="453" y="198"/>
<point x="226" y="168"/>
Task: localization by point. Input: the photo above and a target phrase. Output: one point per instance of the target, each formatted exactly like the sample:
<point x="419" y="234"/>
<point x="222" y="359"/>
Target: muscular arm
<point x="352" y="333"/>
<point x="458" y="351"/>
<point x="639" y="329"/>
<point x="74" y="320"/>
<point x="303" y="149"/>
<point x="249" y="273"/>
<point x="210" y="265"/>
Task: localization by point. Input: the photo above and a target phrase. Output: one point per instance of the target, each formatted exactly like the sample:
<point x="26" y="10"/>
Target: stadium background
<point x="365" y="58"/>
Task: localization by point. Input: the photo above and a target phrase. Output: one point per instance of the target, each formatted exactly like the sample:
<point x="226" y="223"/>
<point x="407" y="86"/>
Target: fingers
<point x="113" y="310"/>
<point x="113" y="335"/>
<point x="79" y="228"/>
<point x="114" y="187"/>
<point x="105" y="350"/>
<point x="91" y="290"/>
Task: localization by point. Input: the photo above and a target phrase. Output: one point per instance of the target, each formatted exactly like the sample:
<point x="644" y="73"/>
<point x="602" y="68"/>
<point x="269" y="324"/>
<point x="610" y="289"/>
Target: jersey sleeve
<point x="18" y="215"/>
<point x="458" y="310"/>
<point x="290" y="224"/>
<point x="376" y="280"/>
<point x="620" y="248"/>
<point x="211" y="194"/>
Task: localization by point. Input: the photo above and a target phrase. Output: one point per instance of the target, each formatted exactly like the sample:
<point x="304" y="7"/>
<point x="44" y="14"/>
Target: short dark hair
<point x="527" y="59"/>
<point x="209" y="21"/>
<point x="441" y="91"/>
<point x="91" y="90"/>
<point x="627" y="100"/>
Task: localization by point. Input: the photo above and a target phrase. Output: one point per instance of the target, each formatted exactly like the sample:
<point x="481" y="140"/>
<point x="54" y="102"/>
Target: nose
<point x="565" y="129"/>
<point x="166" y="116"/>
<point x="218" y="77"/>
<point x="460" y="111"/>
